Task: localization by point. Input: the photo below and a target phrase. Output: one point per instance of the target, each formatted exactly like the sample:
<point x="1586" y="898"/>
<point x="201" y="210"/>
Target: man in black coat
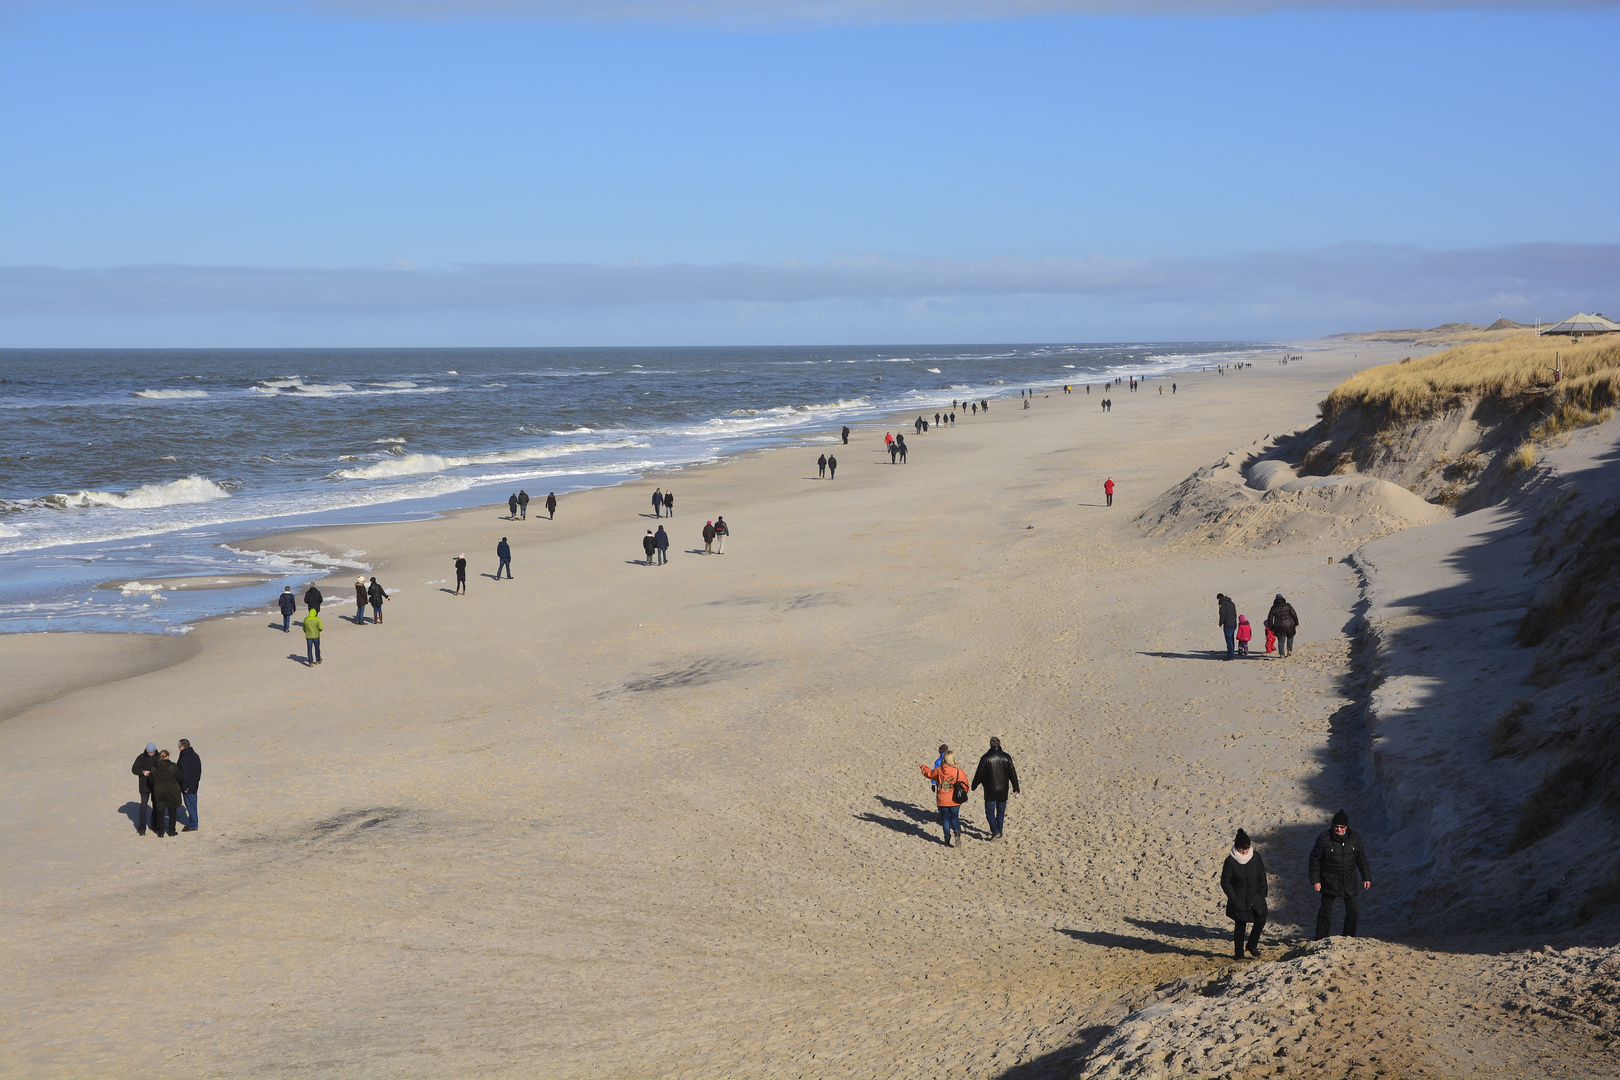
<point x="287" y="605"/>
<point x="1339" y="868"/>
<point x="1228" y="621"/>
<point x="190" y="776"/>
<point x="312" y="599"/>
<point x="997" y="774"/>
<point x="143" y="769"/>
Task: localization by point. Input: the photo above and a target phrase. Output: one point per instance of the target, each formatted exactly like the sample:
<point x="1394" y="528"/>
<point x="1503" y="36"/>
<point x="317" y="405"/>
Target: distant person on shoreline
<point x="1243" y="880"/>
<point x="512" y="505"/>
<point x="997" y="774"/>
<point x="167" y="798"/>
<point x="461" y="575"/>
<point x="288" y="605"/>
<point x="1108" y="490"/>
<point x="1284" y="622"/>
<point x="551" y="506"/>
<point x="359" y="601"/>
<point x="949" y="783"/>
<point x="190" y="777"/>
<point x="503" y="552"/>
<point x="658" y="502"/>
<point x="661" y="542"/>
<point x="846" y="434"/>
<point x="821" y="467"/>
<point x="376" y="594"/>
<point x="312" y="599"/>
<point x="142" y="770"/>
<point x="312" y="638"/>
<point x="1338" y="868"/>
<point x="1227" y="620"/>
<point x="708" y="537"/>
<point x="832" y="467"/>
<point x="647" y="546"/>
<point x="894" y="452"/>
<point x="523" y="504"/>
<point x="721" y="531"/>
<point x="669" y="504"/>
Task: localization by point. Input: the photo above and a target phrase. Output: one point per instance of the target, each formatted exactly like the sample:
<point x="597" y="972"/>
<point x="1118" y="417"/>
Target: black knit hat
<point x="1241" y="842"/>
<point x="1342" y="818"/>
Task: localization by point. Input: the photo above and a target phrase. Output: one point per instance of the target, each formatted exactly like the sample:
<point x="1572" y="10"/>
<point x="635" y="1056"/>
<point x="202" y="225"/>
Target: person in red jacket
<point x="1245" y="634"/>
<point x="947" y="776"/>
<point x="1108" y="490"/>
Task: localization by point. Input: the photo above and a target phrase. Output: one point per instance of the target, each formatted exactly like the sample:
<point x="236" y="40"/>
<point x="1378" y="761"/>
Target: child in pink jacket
<point x="1245" y="633"/>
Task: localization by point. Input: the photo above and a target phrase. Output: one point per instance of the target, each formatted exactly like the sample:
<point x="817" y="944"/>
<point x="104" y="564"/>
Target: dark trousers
<point x="140" y="815"/>
<point x="1238" y="926"/>
<point x="1231" y="640"/>
<point x="164" y="819"/>
<point x="1109" y="495"/>
<point x="1324" y="915"/>
<point x="506" y="564"/>
<point x="995" y="815"/>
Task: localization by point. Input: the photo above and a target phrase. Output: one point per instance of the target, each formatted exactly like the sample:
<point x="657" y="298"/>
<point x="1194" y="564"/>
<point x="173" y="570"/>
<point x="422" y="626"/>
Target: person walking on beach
<point x="832" y="467"/>
<point x="288" y="605"/>
<point x="1243" y="880"/>
<point x="708" y="538"/>
<point x="551" y="506"/>
<point x="512" y="505"/>
<point x="846" y="434"/>
<point x="312" y="639"/>
<point x="648" y="545"/>
<point x="503" y="552"/>
<point x="312" y="599"/>
<point x="821" y="467"/>
<point x="894" y="452"/>
<point x="902" y="444"/>
<point x="523" y="504"/>
<point x="376" y="594"/>
<point x="661" y="542"/>
<point x="461" y="575"/>
<point x="1228" y="622"/>
<point x="190" y="776"/>
<point x="658" y="502"/>
<point x="1108" y="490"/>
<point x="1284" y="622"/>
<point x="142" y="770"/>
<point x="949" y="782"/>
<point x="669" y="504"/>
<point x="1245" y="634"/>
<point x="167" y="798"/>
<point x="721" y="531"/>
<point x="997" y="774"/>
<point x="359" y="601"/>
<point x="1338" y="868"/>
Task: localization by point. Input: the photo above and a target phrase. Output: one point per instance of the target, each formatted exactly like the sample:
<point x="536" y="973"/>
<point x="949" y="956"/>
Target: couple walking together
<point x="995" y="774"/>
<point x="1338" y="871"/>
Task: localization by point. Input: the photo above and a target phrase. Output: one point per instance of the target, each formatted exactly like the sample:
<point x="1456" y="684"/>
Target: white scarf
<point x="1242" y="859"/>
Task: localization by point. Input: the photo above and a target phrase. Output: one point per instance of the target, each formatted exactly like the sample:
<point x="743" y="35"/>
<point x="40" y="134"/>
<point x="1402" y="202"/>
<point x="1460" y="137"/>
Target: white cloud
<point x="852" y="298"/>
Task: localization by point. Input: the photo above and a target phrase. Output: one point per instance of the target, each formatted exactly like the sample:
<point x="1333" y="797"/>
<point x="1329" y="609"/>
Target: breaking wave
<point x="165" y="395"/>
<point x="193" y="489"/>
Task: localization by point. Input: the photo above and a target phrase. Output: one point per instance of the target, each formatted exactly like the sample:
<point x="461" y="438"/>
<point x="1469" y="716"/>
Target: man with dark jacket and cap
<point x="143" y="769"/>
<point x="287" y="605"/>
<point x="1339" y="868"/>
<point x="1228" y="622"/>
<point x="190" y="776"/>
<point x="997" y="774"/>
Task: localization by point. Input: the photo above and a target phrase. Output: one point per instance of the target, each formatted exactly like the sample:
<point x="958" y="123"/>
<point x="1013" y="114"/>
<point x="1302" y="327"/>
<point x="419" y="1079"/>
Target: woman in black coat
<point x="166" y="795"/>
<point x="1243" y="880"/>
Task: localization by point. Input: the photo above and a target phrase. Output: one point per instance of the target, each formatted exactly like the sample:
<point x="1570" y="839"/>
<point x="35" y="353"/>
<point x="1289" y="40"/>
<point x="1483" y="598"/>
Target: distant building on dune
<point x="1580" y="324"/>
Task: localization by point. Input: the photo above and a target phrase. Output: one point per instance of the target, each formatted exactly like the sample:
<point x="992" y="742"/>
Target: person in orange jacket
<point x="947" y="776"/>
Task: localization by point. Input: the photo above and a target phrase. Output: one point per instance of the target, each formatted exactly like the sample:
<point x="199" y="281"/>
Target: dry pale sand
<point x="615" y="820"/>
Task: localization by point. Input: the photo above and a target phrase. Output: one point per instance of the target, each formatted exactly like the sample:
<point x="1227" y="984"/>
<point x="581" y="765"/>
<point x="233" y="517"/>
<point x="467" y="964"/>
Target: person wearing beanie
<point x="1338" y="868"/>
<point x="359" y="601"/>
<point x="1283" y="621"/>
<point x="1243" y="880"/>
<point x="143" y="769"/>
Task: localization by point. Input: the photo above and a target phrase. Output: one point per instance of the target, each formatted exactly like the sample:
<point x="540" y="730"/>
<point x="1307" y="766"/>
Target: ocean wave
<point x="934" y="370"/>
<point x="7" y="530"/>
<point x="403" y="384"/>
<point x="296" y="387"/>
<point x="165" y="395"/>
<point x="396" y="439"/>
<point x="193" y="489"/>
<point x="426" y="464"/>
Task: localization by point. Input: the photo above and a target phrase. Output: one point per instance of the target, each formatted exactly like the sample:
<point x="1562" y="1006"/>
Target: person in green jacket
<point x="312" y="638"/>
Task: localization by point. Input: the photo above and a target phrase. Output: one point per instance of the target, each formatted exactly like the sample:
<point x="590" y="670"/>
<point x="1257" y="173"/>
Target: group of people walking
<point x="655" y="545"/>
<point x="1282" y="623"/>
<point x="170" y="787"/>
<point x="952" y="789"/>
<point x="518" y="505"/>
<point x="1338" y="871"/>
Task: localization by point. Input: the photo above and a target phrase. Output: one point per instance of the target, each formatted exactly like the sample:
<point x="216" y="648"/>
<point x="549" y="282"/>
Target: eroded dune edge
<point x="616" y="820"/>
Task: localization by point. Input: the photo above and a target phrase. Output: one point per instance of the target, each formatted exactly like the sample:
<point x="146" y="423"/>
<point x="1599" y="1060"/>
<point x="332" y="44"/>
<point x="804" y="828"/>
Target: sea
<point x="123" y="470"/>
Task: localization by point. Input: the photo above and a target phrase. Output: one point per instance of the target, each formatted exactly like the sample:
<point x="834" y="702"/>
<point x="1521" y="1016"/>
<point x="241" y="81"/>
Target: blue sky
<point x="289" y="173"/>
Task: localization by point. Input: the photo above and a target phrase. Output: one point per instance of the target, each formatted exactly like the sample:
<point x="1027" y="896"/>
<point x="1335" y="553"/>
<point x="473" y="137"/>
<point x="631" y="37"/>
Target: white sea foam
<point x="426" y="464"/>
<point x="403" y="384"/>
<point x="935" y="370"/>
<point x="164" y="395"/>
<point x="193" y="489"/>
<point x="7" y="530"/>
<point x="393" y="440"/>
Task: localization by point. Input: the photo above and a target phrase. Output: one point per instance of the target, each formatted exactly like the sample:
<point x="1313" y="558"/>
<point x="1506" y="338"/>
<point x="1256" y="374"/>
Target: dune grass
<point x="1511" y="371"/>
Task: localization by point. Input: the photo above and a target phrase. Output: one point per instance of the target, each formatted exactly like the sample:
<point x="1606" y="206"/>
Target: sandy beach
<point x="608" y="819"/>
